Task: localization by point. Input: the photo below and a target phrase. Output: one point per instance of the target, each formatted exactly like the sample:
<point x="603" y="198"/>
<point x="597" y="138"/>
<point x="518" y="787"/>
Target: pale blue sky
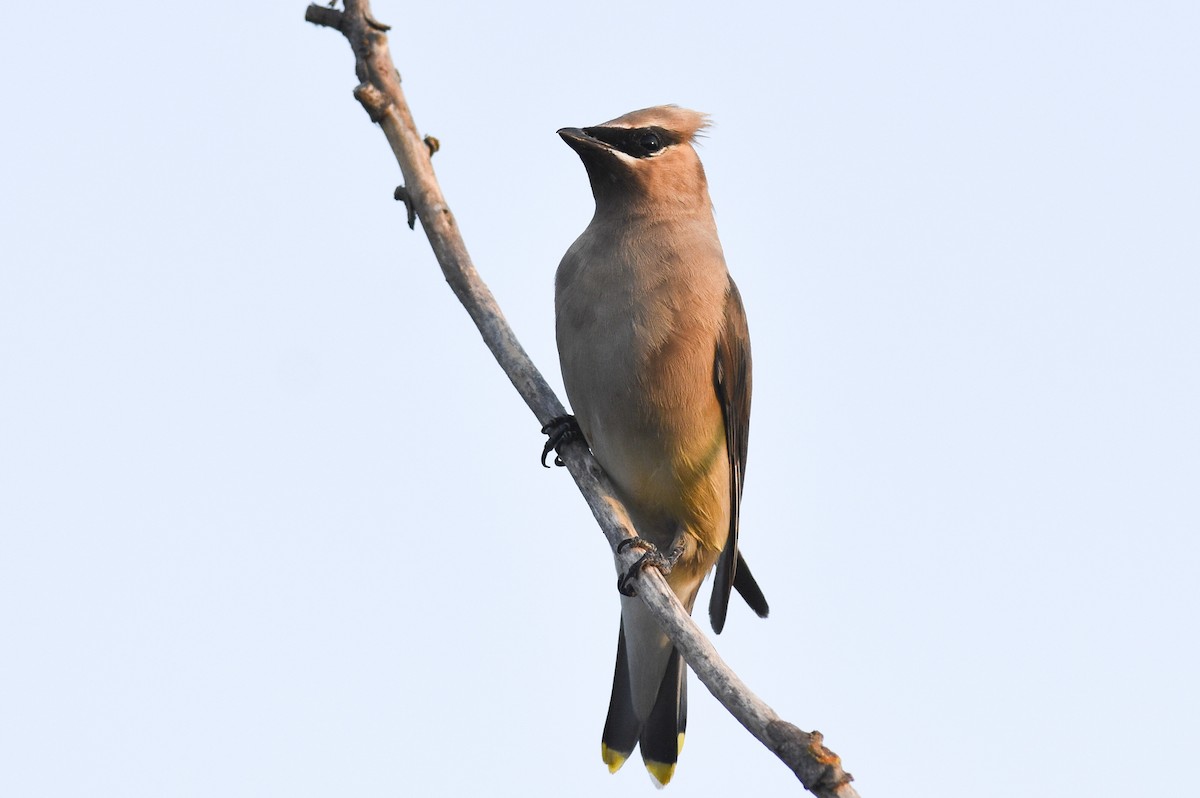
<point x="271" y="520"/>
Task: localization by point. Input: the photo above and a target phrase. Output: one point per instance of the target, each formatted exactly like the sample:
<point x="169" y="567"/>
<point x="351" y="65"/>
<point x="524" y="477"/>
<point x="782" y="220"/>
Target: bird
<point x="655" y="355"/>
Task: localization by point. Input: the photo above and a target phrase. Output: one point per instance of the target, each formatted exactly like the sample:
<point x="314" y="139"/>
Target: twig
<point x="817" y="768"/>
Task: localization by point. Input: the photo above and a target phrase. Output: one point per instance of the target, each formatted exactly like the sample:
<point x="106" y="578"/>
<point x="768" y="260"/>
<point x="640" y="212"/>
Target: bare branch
<point x="817" y="768"/>
<point x="324" y="15"/>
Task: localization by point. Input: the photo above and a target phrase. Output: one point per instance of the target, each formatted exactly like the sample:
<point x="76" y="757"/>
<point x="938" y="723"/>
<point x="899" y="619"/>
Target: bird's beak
<point x="580" y="141"/>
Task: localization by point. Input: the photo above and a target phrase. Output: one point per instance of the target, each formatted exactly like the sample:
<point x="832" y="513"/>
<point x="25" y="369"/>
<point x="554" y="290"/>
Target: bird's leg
<point x="562" y="430"/>
<point x="652" y="556"/>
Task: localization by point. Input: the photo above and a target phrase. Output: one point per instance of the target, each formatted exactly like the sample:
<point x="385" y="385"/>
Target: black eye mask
<point x="638" y="142"/>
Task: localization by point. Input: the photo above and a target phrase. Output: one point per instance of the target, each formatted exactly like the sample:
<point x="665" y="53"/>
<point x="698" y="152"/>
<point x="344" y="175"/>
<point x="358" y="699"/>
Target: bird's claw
<point x="652" y="556"/>
<point x="562" y="430"/>
<point x="401" y="195"/>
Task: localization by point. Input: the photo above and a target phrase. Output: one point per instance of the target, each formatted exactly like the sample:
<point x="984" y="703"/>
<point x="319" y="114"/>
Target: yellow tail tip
<point x="613" y="759"/>
<point x="661" y="772"/>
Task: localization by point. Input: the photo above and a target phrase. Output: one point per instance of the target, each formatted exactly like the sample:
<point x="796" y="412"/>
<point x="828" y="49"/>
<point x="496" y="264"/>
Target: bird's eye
<point x="650" y="142"/>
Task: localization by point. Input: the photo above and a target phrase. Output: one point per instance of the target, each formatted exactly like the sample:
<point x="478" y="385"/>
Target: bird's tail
<point x="660" y="735"/>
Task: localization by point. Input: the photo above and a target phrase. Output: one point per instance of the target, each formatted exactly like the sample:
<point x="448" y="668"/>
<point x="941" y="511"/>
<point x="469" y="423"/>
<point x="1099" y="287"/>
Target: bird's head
<point x="645" y="155"/>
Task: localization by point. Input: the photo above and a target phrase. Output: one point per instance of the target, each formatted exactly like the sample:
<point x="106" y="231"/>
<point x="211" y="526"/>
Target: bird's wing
<point x="732" y="382"/>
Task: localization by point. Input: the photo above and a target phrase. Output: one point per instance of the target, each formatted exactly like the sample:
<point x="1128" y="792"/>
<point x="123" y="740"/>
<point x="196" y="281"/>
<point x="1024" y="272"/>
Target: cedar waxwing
<point x="655" y="357"/>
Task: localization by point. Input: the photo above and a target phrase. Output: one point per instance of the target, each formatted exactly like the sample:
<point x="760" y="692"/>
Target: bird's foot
<point x="401" y="195"/>
<point x="652" y="556"/>
<point x="562" y="430"/>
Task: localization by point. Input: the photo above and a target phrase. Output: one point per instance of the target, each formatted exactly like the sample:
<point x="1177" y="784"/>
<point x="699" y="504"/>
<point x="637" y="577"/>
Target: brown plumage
<point x="655" y="355"/>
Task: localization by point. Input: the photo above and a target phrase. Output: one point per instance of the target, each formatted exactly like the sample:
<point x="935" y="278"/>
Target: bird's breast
<point x="637" y="326"/>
